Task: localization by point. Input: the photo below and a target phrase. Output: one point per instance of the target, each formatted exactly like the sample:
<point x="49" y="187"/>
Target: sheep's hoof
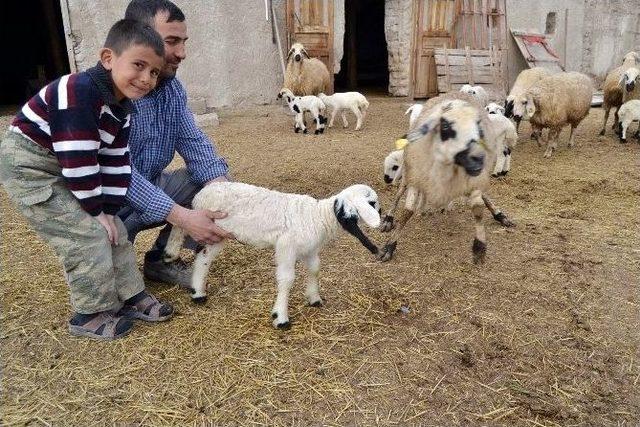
<point x="199" y="300"/>
<point x="285" y="326"/>
<point x="305" y="131"/>
<point x="316" y="304"/>
<point x="387" y="224"/>
<point x="502" y="219"/>
<point x="297" y="130"/>
<point x="387" y="252"/>
<point x="602" y="132"/>
<point x="495" y="175"/>
<point x="317" y="131"/>
<point x="479" y="249"/>
<point x="503" y="173"/>
<point x="623" y="140"/>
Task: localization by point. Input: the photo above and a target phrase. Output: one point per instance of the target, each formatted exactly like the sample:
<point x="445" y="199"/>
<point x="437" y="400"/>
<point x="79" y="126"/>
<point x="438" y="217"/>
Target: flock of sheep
<point x="454" y="144"/>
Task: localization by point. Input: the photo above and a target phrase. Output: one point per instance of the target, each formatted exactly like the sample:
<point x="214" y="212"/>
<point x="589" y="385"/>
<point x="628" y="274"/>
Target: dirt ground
<point x="544" y="334"/>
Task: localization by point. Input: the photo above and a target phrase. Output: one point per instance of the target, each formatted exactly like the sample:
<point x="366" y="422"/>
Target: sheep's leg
<point x="300" y="123"/>
<point x="496" y="212"/>
<point x="507" y="161"/>
<point x="363" y="110"/>
<point x="174" y="244"/>
<point x="356" y="111"/>
<point x="387" y="221"/>
<point x="285" y="275"/>
<point x="571" y="141"/>
<point x="536" y="134"/>
<point x="606" y="117"/>
<point x="479" y="247"/>
<point x="616" y="121"/>
<point x="623" y="133"/>
<point x="333" y="116"/>
<point x="345" y="123"/>
<point x="386" y="253"/>
<point x="201" y="266"/>
<point x="552" y="143"/>
<point x="312" y="289"/>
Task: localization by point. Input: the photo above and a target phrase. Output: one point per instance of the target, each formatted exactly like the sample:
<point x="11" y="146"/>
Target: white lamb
<point x="393" y="167"/>
<point x="493" y="108"/>
<point x="477" y="92"/>
<point x="297" y="226"/>
<point x="300" y="104"/>
<point x="506" y="138"/>
<point x="342" y="101"/>
<point x="627" y="114"/>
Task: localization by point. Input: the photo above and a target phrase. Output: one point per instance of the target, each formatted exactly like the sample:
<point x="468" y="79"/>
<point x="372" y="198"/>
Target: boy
<point x="65" y="164"/>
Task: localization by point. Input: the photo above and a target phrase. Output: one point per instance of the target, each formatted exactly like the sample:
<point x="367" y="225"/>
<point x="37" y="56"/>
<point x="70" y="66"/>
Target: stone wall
<point x="399" y="34"/>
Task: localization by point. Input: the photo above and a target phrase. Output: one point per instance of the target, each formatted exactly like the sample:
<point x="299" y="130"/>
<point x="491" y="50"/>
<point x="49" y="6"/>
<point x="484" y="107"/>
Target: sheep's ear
<point x="304" y="52"/>
<point x="429" y="125"/>
<point x="289" y="54"/>
<point x="623" y="80"/>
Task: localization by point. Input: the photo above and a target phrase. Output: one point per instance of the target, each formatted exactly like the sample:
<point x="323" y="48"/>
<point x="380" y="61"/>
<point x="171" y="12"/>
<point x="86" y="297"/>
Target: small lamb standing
<point x="627" y="114"/>
<point x="297" y="226"/>
<point x="506" y="139"/>
<point x="342" y="101"/>
<point x="554" y="102"/>
<point x="305" y="75"/>
<point x="477" y="92"/>
<point x="449" y="155"/>
<point x="299" y="105"/>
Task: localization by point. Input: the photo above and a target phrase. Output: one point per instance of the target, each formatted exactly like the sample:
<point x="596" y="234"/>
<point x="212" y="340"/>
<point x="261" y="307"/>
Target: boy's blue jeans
<point x="100" y="276"/>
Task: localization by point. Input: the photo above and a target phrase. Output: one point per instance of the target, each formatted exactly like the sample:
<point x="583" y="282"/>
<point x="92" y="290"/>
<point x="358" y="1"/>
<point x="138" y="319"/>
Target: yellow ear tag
<point x="401" y="143"/>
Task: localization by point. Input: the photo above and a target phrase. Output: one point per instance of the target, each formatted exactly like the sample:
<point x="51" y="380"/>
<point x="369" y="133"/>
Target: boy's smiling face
<point x="134" y="71"/>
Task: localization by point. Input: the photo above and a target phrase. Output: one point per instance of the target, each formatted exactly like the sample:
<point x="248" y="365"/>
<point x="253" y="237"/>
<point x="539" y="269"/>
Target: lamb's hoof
<point x="495" y="175"/>
<point x="479" y="251"/>
<point x="387" y="224"/>
<point x="296" y="130"/>
<point x="503" y="173"/>
<point x="305" y="131"/>
<point x="199" y="300"/>
<point x="602" y="132"/>
<point x="502" y="219"/>
<point x="387" y="252"/>
<point x="285" y="326"/>
<point x="316" y="304"/>
<point x="623" y="140"/>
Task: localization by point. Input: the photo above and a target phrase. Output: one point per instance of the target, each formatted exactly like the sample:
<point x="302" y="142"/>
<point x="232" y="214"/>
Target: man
<point x="162" y="125"/>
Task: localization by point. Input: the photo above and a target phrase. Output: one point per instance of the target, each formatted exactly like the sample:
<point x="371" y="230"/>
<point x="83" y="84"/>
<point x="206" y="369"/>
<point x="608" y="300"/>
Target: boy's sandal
<point x="105" y="326"/>
<point x="149" y="309"/>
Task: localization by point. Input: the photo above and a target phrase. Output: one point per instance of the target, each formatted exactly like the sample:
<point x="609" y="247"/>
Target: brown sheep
<point x="613" y="91"/>
<point x="304" y="75"/>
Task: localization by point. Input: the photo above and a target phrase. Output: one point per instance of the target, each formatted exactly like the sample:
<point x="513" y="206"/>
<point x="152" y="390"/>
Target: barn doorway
<point x="35" y="53"/>
<point x="365" y="63"/>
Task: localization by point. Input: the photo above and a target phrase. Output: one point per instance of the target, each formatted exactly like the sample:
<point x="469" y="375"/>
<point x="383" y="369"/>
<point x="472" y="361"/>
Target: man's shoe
<point x="175" y="273"/>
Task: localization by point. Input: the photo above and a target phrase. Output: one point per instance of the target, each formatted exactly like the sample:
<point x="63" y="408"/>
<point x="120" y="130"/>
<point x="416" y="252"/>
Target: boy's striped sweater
<point x="79" y="120"/>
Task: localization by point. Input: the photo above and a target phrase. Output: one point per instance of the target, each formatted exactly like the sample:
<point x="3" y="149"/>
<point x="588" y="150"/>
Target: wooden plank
<point x="476" y="61"/>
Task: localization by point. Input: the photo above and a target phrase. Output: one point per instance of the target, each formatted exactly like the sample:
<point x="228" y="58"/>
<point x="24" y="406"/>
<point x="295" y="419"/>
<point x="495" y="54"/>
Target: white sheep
<point x="506" y="139"/>
<point x="627" y="114"/>
<point x="524" y="81"/>
<point x="553" y="102"/>
<point x="414" y="112"/>
<point x="493" y="108"/>
<point x="297" y="226"/>
<point x="304" y="75"/>
<point x="342" y="101"/>
<point x="450" y="152"/>
<point x="613" y="89"/>
<point x="477" y="92"/>
<point x="301" y="104"/>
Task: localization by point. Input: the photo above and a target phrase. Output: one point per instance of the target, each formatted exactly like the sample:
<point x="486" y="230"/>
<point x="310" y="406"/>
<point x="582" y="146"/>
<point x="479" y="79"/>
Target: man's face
<point x="174" y="35"/>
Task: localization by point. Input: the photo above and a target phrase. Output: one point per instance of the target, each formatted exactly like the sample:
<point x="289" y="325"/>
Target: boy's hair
<point x="146" y="10"/>
<point x="127" y="32"/>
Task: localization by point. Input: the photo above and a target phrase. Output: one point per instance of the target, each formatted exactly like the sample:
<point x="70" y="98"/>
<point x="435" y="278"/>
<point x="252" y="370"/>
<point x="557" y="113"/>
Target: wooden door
<point x="310" y="22"/>
<point x="433" y="30"/>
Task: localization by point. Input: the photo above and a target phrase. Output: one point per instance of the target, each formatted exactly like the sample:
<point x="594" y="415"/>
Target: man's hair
<point x="127" y="32"/>
<point x="146" y="10"/>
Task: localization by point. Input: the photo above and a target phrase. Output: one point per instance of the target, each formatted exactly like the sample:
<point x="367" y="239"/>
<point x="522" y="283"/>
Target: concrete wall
<point x="231" y="59"/>
<point x="399" y="23"/>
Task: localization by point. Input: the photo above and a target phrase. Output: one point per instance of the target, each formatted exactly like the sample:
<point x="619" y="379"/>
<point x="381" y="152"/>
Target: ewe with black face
<point x="450" y="154"/>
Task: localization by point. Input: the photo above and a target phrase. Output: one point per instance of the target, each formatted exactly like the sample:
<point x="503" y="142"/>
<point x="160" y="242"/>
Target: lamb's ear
<point x="427" y="126"/>
<point x="304" y="52"/>
<point x="623" y="80"/>
<point x="347" y="217"/>
<point x="367" y="213"/>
